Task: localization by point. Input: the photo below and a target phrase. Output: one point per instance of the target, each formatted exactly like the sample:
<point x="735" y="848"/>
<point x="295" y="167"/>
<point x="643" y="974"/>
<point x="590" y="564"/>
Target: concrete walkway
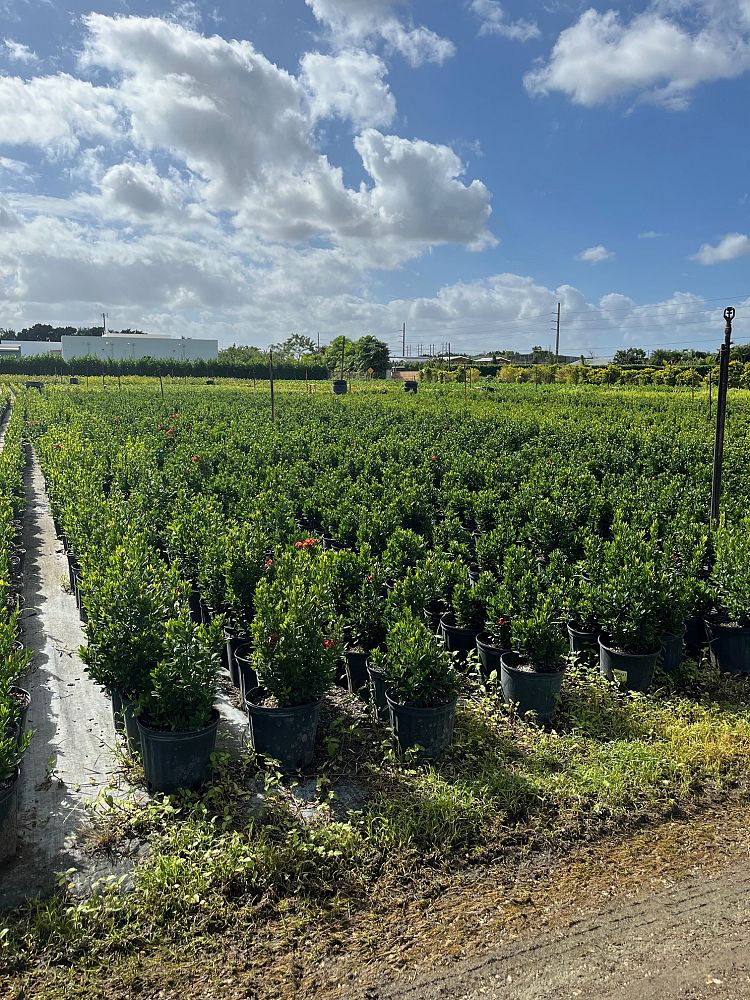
<point x="71" y="756"/>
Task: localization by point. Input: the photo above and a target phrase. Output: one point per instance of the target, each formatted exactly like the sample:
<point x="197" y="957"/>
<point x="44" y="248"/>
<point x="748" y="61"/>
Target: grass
<point x="244" y="858"/>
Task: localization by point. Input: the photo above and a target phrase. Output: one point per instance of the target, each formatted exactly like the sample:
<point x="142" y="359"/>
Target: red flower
<point x="306" y="544"/>
<point x="195" y="459"/>
<point x="329" y="643"/>
<point x="169" y="431"/>
<point x="501" y="621"/>
<point x="268" y="563"/>
<point x="273" y="638"/>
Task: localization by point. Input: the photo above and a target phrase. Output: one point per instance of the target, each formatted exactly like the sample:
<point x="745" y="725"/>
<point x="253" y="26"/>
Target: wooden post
<point x="270" y="375"/>
<point x="161" y="386"/>
<point x="343" y="350"/>
<point x="721" y="415"/>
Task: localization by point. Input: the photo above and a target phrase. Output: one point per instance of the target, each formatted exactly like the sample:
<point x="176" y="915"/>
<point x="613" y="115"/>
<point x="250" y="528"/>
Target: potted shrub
<point x="129" y="596"/>
<point x="582" y="626"/>
<point x="177" y="720"/>
<point x="531" y="674"/>
<point x="421" y="687"/>
<point x="247" y="559"/>
<point x="366" y="627"/>
<point x="495" y="639"/>
<point x="12" y="749"/>
<point x="463" y="622"/>
<point x="633" y="604"/>
<point x="296" y="644"/>
<point x="728" y="628"/>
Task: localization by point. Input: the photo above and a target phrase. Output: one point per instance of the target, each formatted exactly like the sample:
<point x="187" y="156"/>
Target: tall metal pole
<point x="270" y="376"/>
<point x="343" y="349"/>
<point x="449" y="355"/>
<point x="403" y="341"/>
<point x="721" y="414"/>
<point x="557" y="338"/>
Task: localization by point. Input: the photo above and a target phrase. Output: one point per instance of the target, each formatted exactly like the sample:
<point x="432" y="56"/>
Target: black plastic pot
<point x="377" y="692"/>
<point x="530" y="690"/>
<point x="695" y="636"/>
<point x="634" y="671"/>
<point x="248" y="679"/>
<point x="22" y="699"/>
<point x="489" y="656"/>
<point x="340" y="387"/>
<point x="117" y="715"/>
<point x="285" y="734"/>
<point x="234" y="643"/>
<point x="130" y="729"/>
<point x="428" y="728"/>
<point x="8" y="816"/>
<point x="433" y="612"/>
<point x="728" y="647"/>
<point x="671" y="652"/>
<point x="356" y="671"/>
<point x="73" y="568"/>
<point x="473" y="572"/>
<point x="580" y="641"/>
<point x="177" y="760"/>
<point x="410" y="386"/>
<point x="196" y="610"/>
<point x="458" y="639"/>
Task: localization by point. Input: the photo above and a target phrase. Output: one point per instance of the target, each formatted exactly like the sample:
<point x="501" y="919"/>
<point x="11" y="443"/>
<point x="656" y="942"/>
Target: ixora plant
<point x="129" y="596"/>
<point x="366" y="625"/>
<point x="297" y="642"/>
<point x="177" y="720"/>
<point x="421" y="687"/>
<point x="531" y="674"/>
<point x="728" y="629"/>
<point x="634" y="604"/>
<point x="463" y="623"/>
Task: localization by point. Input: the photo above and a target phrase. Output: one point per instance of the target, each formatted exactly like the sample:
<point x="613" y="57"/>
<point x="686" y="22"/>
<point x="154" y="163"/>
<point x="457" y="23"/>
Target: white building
<point x="126" y="347"/>
<point x="28" y="348"/>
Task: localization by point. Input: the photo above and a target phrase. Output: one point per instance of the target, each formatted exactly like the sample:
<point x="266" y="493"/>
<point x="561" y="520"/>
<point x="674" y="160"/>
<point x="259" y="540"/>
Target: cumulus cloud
<point x="595" y="255"/>
<point x="351" y="85"/>
<point x="8" y="218"/>
<point x="729" y="247"/>
<point x="18" y="52"/>
<point x="55" y="112"/>
<point x="654" y="56"/>
<point x="353" y="22"/>
<point x="494" y="21"/>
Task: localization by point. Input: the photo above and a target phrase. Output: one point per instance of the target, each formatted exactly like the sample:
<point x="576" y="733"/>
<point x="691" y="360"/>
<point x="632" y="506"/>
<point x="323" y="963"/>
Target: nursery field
<point x="525" y="574"/>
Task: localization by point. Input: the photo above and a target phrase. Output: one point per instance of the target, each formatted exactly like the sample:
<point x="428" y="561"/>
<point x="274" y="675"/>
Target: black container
<point x="234" y="643"/>
<point x="130" y="729"/>
<point x="8" y="816"/>
<point x="340" y="387"/>
<point x="73" y="567"/>
<point x="489" y="656"/>
<point x="728" y="647"/>
<point x="177" y="760"/>
<point x="22" y="701"/>
<point x="428" y="728"/>
<point x="695" y="636"/>
<point x="117" y="715"/>
<point x="671" y="652"/>
<point x="581" y="641"/>
<point x="410" y="385"/>
<point x="458" y="639"/>
<point x="634" y="671"/>
<point x="530" y="690"/>
<point x="377" y="692"/>
<point x="284" y="734"/>
<point x="356" y="671"/>
<point x="246" y="676"/>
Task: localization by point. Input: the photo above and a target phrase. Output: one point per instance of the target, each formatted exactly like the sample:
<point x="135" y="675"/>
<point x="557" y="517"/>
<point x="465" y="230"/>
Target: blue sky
<point x="248" y="170"/>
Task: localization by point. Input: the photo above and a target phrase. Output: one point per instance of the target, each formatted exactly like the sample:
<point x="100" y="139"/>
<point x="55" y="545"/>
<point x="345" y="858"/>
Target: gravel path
<point x="691" y="941"/>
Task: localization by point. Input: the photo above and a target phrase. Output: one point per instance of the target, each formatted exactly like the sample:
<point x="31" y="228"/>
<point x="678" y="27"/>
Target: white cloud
<point x="729" y="247"/>
<point x="18" y="52"/>
<point x="650" y="234"/>
<point x="353" y="22"/>
<point x="55" y="112"/>
<point x="494" y="21"/>
<point x="349" y="85"/>
<point x="13" y="166"/>
<point x="654" y="57"/>
<point x="595" y="255"/>
<point x="8" y="218"/>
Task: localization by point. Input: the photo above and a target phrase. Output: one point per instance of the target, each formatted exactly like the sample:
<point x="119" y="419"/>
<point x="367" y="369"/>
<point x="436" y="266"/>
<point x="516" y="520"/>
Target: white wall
<point x="119" y="348"/>
<point x="32" y="347"/>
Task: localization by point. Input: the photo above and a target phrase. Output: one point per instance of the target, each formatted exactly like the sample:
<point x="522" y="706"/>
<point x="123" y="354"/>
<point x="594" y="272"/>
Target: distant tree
<point x="630" y="356"/>
<point x="243" y="355"/>
<point x="372" y="353"/>
<point x="661" y="356"/>
<point x="296" y="346"/>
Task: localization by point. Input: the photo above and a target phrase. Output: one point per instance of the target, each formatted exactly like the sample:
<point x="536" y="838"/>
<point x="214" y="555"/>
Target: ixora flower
<point x="195" y="458"/>
<point x="169" y="431"/>
<point x="268" y="563"/>
<point x="329" y="643"/>
<point x="308" y="543"/>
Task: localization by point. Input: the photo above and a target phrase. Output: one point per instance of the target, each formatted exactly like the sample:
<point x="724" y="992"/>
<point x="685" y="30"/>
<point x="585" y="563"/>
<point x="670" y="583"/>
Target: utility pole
<point x="557" y="338"/>
<point x="721" y="414"/>
<point x="270" y="376"/>
<point x="318" y="341"/>
<point x="343" y="350"/>
<point x="710" y="392"/>
<point x="449" y="355"/>
<point x="104" y="324"/>
<point x="403" y="341"/>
